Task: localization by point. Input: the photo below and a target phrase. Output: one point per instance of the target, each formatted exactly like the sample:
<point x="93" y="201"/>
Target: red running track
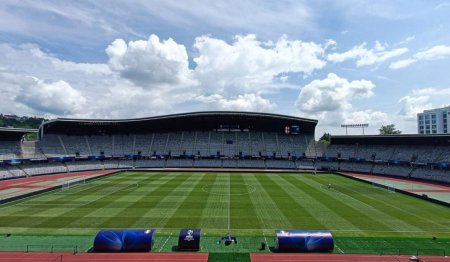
<point x="28" y="182"/>
<point x="437" y="186"/>
<point x="261" y="257"/>
<point x="101" y="257"/>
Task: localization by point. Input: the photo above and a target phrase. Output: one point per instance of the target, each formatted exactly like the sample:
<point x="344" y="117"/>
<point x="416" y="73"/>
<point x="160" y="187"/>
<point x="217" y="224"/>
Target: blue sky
<point x="376" y="62"/>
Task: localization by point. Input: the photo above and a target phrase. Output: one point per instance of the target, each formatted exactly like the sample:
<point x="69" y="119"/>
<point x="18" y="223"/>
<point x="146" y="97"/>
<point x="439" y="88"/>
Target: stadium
<point x="246" y="186"/>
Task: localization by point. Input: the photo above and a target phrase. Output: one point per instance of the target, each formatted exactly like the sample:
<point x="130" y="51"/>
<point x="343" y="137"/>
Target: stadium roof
<point x="411" y="139"/>
<point x="208" y="120"/>
<point x="14" y="134"/>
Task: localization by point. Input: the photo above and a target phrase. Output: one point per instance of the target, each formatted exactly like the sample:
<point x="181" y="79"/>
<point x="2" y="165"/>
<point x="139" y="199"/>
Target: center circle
<point x="225" y="190"/>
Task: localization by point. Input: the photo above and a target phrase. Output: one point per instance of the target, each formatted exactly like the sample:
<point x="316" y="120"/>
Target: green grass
<point x="252" y="206"/>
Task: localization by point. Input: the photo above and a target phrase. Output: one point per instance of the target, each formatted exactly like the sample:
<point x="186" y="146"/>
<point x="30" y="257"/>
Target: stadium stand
<point x="44" y="168"/>
<point x="84" y="165"/>
<point x="179" y="163"/>
<point x="156" y="163"/>
<point x="216" y="140"/>
<point x="213" y="163"/>
<point x="280" y="164"/>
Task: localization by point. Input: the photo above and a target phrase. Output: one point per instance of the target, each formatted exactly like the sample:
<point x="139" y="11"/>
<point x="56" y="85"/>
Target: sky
<point x="340" y="62"/>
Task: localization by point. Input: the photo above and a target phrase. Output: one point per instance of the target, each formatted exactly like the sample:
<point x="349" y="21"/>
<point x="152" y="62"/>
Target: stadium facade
<point x="217" y="140"/>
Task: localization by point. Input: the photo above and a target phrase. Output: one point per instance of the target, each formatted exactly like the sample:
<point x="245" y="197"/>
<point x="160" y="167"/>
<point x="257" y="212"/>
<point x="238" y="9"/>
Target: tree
<point x="325" y="138"/>
<point x="389" y="130"/>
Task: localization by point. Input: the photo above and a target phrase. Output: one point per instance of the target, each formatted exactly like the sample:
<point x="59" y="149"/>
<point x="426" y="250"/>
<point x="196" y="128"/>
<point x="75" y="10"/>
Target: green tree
<point x="389" y="130"/>
<point x="325" y="138"/>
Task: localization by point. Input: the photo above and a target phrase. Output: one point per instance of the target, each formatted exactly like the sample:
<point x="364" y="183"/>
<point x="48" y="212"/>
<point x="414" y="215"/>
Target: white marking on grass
<point x="208" y="189"/>
<point x="165" y="242"/>
<point x="265" y="239"/>
<point x="229" y="199"/>
<point x="339" y="249"/>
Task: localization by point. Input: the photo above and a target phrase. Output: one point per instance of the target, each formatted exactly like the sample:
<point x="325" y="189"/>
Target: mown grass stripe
<point x="189" y="213"/>
<point x="41" y="215"/>
<point x="243" y="214"/>
<point x="267" y="211"/>
<point x="214" y="215"/>
<point x="313" y="202"/>
<point x="383" y="218"/>
<point x="77" y="217"/>
<point x="159" y="214"/>
<point x="108" y="213"/>
<point x="403" y="220"/>
<point x="356" y="212"/>
<point x="287" y="198"/>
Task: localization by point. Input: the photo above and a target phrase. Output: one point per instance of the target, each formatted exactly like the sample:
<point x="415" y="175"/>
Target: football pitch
<point x="244" y="204"/>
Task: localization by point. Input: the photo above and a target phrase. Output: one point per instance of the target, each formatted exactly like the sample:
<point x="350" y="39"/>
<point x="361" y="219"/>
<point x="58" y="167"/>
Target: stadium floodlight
<point x="354" y="126"/>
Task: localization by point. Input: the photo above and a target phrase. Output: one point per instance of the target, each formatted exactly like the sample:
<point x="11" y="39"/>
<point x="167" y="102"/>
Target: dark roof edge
<point x="199" y="113"/>
<point x="18" y="130"/>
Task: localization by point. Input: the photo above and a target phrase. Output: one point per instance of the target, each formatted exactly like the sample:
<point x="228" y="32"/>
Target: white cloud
<point x="434" y="53"/>
<point x="406" y="40"/>
<point x="365" y="56"/>
<point x="30" y="58"/>
<point x="330" y="100"/>
<point x="248" y="65"/>
<point x="245" y="102"/>
<point x="150" y="62"/>
<point x="411" y="105"/>
<point x="57" y="98"/>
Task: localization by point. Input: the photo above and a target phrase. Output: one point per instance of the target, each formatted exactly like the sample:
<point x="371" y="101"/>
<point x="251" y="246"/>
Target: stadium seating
<point x="44" y="168"/>
<point x="179" y="163"/>
<point x="84" y="165"/>
<point x="214" y="163"/>
<point x="280" y="164"/>
<point x="9" y="150"/>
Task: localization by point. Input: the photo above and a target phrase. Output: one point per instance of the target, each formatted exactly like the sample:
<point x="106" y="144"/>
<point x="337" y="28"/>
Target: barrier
<point x="189" y="239"/>
<point x="304" y="241"/>
<point x="126" y="240"/>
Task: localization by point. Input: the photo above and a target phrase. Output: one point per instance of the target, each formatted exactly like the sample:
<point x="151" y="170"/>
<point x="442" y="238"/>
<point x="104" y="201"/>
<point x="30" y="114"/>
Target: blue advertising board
<point x="189" y="239"/>
<point x="304" y="241"/>
<point x="125" y="240"/>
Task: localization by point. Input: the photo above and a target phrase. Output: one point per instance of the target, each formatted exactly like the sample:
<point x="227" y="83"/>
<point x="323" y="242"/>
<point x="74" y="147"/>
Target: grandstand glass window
<point x="434" y="131"/>
<point x="420" y="117"/>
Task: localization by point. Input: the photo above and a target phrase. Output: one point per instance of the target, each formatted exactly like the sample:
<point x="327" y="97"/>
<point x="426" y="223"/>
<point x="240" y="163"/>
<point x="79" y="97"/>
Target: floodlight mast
<point x="354" y="126"/>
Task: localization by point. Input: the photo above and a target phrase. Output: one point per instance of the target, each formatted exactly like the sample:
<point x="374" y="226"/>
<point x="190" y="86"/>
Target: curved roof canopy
<point x="179" y="122"/>
<point x="14" y="134"/>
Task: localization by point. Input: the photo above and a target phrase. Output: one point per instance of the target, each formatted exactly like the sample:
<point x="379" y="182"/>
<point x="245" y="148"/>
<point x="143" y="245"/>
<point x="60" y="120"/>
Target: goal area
<point x="73" y="183"/>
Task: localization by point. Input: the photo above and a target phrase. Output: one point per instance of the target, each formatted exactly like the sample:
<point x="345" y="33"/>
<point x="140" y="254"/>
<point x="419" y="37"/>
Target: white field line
<point x="229" y="199"/>
<point x="339" y="249"/>
<point x="265" y="239"/>
<point x="165" y="242"/>
<point x="333" y="230"/>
